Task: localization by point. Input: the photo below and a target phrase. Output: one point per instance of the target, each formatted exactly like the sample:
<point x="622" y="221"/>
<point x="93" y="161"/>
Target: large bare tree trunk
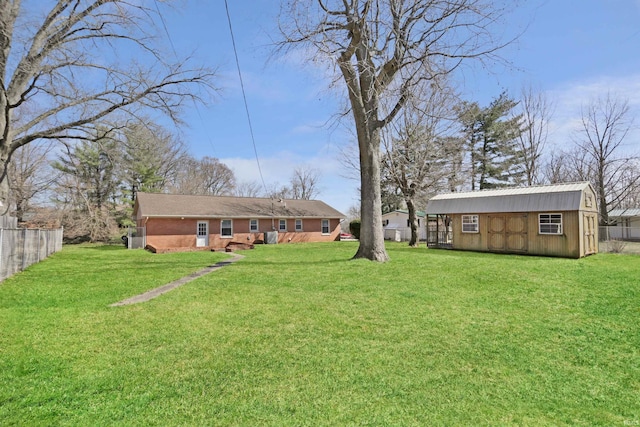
<point x="371" y="236"/>
<point x="4" y="180"/>
<point x="413" y="222"/>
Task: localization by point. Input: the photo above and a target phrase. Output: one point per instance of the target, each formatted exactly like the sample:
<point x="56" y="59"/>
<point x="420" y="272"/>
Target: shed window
<point x="550" y="223"/>
<point x="226" y="228"/>
<point x="298" y="225"/>
<point x="469" y="223"/>
<point x="282" y="225"/>
<point x="325" y="226"/>
<point x="588" y="200"/>
<point x="253" y="225"/>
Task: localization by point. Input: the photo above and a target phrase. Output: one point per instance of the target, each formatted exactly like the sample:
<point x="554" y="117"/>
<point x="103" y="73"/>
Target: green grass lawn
<point x="301" y="335"/>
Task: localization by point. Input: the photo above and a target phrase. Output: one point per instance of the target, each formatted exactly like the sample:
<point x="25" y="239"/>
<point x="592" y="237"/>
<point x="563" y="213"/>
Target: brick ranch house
<point x="186" y="222"/>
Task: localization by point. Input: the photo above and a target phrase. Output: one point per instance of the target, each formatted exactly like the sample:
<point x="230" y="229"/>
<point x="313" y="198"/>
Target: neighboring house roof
<point x="188" y="206"/>
<point x="406" y="212"/>
<point x="557" y="197"/>
<point x="625" y="213"/>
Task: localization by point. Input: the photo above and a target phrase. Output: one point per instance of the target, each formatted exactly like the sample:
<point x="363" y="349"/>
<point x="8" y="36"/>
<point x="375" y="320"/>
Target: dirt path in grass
<point x="154" y="293"/>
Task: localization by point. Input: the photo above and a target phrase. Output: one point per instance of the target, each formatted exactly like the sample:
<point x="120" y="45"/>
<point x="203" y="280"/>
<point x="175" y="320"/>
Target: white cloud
<point x="571" y="99"/>
<point x="279" y="167"/>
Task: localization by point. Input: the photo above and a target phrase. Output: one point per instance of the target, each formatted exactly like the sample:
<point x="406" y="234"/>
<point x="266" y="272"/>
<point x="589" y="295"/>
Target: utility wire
<point x="244" y="96"/>
<point x="166" y="30"/>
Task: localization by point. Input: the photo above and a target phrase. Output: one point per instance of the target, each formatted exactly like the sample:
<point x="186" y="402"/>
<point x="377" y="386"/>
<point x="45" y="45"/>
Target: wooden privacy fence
<point x="8" y="221"/>
<point x="19" y="248"/>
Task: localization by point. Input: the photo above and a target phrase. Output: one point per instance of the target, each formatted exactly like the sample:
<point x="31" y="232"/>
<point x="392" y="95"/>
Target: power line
<point x="166" y="30"/>
<point x="244" y="96"/>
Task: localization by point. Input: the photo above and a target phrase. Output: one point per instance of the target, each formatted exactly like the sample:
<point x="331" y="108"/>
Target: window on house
<point x="550" y="223"/>
<point x="253" y="225"/>
<point x="226" y="228"/>
<point x="385" y="222"/>
<point x="298" y="225"/>
<point x="470" y="223"/>
<point x="202" y="228"/>
<point x="325" y="226"/>
<point x="282" y="225"/>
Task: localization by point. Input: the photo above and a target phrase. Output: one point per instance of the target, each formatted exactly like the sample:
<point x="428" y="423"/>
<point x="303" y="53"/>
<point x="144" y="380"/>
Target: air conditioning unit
<point x="271" y="237"/>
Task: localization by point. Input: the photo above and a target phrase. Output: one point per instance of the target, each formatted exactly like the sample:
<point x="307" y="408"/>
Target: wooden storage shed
<point x="553" y="220"/>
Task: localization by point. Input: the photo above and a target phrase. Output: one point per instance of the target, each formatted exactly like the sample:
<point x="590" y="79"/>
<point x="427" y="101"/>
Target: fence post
<point x="24" y="247"/>
<point x="38" y="248"/>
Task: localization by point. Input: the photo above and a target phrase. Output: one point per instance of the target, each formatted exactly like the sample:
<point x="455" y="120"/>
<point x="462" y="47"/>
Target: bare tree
<point x="604" y="128"/>
<point x="29" y="177"/>
<point x="556" y="169"/>
<point x="207" y="176"/>
<point x="277" y="191"/>
<point x="536" y="112"/>
<point x="304" y="183"/>
<point x="248" y="189"/>
<point x="569" y="165"/>
<point x="75" y="64"/>
<point x="383" y="50"/>
<point x="416" y="154"/>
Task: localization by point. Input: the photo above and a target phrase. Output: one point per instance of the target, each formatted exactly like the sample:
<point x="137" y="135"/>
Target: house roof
<point x="625" y="213"/>
<point x="557" y="197"/>
<point x="189" y="206"/>
<point x="420" y="214"/>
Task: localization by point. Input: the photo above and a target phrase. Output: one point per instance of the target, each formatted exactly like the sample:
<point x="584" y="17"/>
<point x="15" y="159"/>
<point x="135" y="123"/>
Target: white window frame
<point x="322" y="227"/>
<point x="550" y="220"/>
<point x="280" y="222"/>
<point x="472" y="223"/>
<point x="222" y="227"/>
<point x="257" y="226"/>
<point x="299" y="222"/>
<point x="202" y="230"/>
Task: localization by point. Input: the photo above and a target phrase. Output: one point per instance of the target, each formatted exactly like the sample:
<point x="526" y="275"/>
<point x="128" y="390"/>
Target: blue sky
<point x="573" y="50"/>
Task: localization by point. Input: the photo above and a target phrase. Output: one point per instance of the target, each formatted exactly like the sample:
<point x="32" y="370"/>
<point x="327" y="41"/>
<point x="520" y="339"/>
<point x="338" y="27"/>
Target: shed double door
<point x="507" y="233"/>
<point x="590" y="243"/>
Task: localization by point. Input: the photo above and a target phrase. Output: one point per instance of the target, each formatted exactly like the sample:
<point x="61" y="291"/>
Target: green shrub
<point x="354" y="228"/>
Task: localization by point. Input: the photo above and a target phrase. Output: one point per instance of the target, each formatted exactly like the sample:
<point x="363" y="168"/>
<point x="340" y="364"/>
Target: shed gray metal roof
<point x="189" y="206"/>
<point x="625" y="213"/>
<point x="557" y="197"/>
